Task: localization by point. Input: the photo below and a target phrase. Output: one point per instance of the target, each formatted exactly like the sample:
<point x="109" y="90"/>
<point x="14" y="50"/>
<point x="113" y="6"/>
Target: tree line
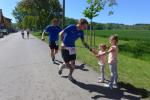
<point x="112" y="26"/>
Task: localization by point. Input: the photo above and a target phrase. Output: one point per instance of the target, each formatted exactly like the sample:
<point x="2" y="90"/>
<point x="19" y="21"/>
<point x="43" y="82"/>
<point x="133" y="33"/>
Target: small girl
<point x="112" y="61"/>
<point x="102" y="61"/>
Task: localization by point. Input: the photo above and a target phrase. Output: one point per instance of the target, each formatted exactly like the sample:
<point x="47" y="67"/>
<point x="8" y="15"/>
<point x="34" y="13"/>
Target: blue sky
<point x="126" y="12"/>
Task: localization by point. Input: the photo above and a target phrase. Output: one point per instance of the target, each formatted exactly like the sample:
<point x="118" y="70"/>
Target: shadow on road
<point x="81" y="67"/>
<point x="114" y="93"/>
<point x="132" y="89"/>
<point x="56" y="63"/>
<point x="64" y="76"/>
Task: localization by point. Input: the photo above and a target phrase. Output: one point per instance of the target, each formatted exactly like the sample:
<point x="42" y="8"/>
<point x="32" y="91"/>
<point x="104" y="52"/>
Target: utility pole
<point x="63" y="17"/>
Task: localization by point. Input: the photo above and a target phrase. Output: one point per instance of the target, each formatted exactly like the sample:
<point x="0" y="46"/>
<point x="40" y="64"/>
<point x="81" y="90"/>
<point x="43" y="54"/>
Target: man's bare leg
<point x="52" y="54"/>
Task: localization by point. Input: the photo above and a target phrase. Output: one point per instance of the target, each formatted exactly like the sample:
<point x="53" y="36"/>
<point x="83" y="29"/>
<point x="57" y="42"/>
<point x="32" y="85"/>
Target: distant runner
<point x="28" y="33"/>
<point x="53" y="33"/>
<point x="22" y="33"/>
<point x="69" y="36"/>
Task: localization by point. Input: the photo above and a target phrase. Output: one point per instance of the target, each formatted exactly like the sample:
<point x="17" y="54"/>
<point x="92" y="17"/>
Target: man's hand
<point x="87" y="46"/>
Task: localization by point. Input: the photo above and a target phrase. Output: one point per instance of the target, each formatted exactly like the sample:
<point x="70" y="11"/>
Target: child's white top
<point x="112" y="56"/>
<point x="102" y="57"/>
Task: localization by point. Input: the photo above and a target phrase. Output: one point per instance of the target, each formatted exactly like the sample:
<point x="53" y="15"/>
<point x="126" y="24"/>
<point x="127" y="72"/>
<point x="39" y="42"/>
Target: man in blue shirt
<point x="69" y="36"/>
<point x="53" y="34"/>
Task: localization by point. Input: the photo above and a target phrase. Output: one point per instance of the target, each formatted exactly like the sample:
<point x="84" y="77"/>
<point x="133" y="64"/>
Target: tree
<point x="35" y="13"/>
<point x="93" y="9"/>
<point x="70" y="21"/>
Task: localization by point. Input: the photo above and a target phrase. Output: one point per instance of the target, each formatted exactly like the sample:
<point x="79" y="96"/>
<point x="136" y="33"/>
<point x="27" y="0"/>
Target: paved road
<point x="27" y="73"/>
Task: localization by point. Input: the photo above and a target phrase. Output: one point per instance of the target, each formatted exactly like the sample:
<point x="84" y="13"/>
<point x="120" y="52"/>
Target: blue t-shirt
<point x="53" y="32"/>
<point x="71" y="34"/>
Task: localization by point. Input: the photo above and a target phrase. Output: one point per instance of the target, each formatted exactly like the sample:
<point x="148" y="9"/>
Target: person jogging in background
<point x="68" y="37"/>
<point x="53" y="33"/>
<point x="28" y="33"/>
<point x="22" y="33"/>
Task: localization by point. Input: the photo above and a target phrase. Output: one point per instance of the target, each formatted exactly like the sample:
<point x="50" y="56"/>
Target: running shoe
<point x="61" y="66"/>
<point x="108" y="86"/>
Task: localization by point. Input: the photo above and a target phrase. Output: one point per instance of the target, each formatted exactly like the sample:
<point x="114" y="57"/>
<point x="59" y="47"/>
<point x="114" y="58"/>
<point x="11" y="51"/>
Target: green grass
<point x="126" y="34"/>
<point x="133" y="58"/>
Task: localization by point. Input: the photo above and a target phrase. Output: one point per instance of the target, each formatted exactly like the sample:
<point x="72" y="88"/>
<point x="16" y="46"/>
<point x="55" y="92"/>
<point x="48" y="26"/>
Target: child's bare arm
<point x="102" y="54"/>
<point x="110" y="50"/>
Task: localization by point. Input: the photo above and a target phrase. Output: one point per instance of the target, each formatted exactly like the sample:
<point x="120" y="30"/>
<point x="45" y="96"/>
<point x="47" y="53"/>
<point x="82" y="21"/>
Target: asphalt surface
<point x="27" y="73"/>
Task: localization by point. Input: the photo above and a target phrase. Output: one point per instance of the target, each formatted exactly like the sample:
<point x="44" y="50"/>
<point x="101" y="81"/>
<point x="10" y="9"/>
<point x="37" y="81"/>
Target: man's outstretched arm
<point x="43" y="35"/>
<point x="86" y="45"/>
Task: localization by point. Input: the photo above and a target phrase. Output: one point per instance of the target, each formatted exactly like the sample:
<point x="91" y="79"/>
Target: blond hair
<point x="103" y="46"/>
<point x="114" y="37"/>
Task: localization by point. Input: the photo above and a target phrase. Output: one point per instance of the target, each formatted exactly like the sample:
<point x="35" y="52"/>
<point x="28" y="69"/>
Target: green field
<point x="126" y="34"/>
<point x="133" y="59"/>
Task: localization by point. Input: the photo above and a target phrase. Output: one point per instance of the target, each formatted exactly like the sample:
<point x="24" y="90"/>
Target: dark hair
<point x="114" y="37"/>
<point x="54" y="20"/>
<point x="82" y="21"/>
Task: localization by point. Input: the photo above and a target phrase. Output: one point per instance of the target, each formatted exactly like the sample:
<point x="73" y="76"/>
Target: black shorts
<point x="66" y="57"/>
<point x="53" y="45"/>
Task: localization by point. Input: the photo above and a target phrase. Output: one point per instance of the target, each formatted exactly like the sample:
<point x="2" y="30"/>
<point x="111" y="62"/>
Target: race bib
<point x="72" y="50"/>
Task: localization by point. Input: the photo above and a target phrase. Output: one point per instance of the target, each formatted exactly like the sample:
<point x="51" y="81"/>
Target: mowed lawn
<point x="133" y="69"/>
